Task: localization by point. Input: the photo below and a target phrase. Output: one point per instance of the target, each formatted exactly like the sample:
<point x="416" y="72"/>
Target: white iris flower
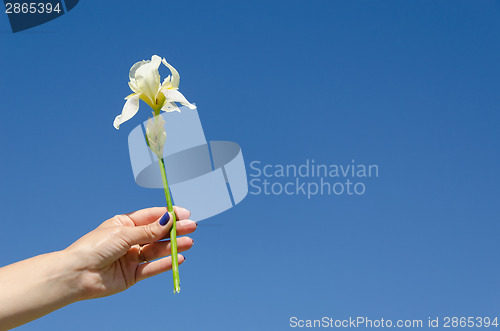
<point x="145" y="83"/>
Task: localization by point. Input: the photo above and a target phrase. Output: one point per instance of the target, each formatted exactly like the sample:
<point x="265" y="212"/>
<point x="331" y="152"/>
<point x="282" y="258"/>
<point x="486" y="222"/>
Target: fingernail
<point x="192" y="242"/>
<point x="196" y="224"/>
<point x="164" y="219"/>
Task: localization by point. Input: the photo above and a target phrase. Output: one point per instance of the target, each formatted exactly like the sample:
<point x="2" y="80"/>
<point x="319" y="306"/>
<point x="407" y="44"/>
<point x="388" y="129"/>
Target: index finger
<point x="150" y="215"/>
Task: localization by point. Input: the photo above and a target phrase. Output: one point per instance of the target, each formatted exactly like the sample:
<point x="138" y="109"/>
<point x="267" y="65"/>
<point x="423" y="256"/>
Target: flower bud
<point x="156" y="135"/>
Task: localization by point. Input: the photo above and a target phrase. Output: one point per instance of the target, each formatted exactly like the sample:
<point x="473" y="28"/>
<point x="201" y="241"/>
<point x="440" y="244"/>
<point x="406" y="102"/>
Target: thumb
<point x="149" y="233"/>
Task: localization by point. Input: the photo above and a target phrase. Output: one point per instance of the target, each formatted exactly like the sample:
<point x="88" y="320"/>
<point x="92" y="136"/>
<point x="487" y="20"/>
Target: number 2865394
<point x="31" y="8"/>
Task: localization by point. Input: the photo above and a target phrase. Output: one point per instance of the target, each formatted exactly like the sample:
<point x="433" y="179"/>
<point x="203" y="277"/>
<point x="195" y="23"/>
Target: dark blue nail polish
<point x="165" y="218"/>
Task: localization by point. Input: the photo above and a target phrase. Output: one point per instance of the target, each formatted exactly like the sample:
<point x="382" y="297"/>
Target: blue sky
<point x="410" y="86"/>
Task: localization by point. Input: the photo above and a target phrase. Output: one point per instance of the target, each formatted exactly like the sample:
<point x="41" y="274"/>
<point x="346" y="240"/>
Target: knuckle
<point x="151" y="232"/>
<point x="119" y="231"/>
<point x="116" y="220"/>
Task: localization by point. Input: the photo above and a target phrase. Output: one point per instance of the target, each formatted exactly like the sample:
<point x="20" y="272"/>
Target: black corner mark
<point x="28" y="14"/>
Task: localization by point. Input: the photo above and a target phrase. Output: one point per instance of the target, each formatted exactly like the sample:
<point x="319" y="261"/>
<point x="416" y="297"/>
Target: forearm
<point x="35" y="287"/>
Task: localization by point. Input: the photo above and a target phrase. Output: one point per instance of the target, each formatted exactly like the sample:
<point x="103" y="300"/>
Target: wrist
<point x="82" y="282"/>
<point x="65" y="276"/>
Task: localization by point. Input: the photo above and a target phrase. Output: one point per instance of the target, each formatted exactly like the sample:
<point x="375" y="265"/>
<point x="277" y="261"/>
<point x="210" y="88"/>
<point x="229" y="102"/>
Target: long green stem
<point x="173" y="232"/>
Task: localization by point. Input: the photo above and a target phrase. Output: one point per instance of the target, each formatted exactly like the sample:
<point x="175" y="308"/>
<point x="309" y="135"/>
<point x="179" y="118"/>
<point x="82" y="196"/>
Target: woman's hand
<point x="108" y="260"/>
<point x="116" y="255"/>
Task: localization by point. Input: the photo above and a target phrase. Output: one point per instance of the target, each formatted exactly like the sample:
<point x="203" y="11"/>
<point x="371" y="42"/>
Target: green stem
<point x="173" y="232"/>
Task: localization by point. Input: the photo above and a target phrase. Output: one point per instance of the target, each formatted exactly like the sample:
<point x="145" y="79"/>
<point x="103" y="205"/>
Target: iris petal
<point x="176" y="96"/>
<point x="176" y="78"/>
<point x="170" y="106"/>
<point x="147" y="78"/>
<point x="134" y="68"/>
<point x="129" y="110"/>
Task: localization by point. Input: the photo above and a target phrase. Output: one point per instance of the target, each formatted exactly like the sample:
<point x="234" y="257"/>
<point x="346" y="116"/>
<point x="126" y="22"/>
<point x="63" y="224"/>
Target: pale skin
<point x="106" y="261"/>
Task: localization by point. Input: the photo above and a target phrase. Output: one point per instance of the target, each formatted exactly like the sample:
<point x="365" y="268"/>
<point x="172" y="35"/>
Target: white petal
<point x="129" y="110"/>
<point x="176" y="96"/>
<point x="134" y="68"/>
<point x="133" y="86"/>
<point x="170" y="106"/>
<point x="176" y="78"/>
<point x="166" y="83"/>
<point x="147" y="78"/>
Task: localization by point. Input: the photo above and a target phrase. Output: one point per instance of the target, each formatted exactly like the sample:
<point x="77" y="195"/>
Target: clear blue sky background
<point x="409" y="85"/>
